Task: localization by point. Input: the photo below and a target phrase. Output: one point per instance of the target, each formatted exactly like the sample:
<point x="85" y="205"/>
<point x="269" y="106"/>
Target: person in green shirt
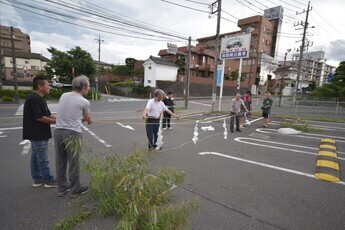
<point x="266" y="109"/>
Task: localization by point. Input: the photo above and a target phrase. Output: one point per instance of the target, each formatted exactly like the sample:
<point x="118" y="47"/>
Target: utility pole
<point x="99" y="61"/>
<point x="188" y="71"/>
<point x="15" y="84"/>
<point x="305" y="27"/>
<point x="282" y="79"/>
<point x="216" y="49"/>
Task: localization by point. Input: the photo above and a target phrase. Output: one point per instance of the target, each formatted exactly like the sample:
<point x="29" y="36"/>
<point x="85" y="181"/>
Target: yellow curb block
<point x="328" y="140"/>
<point x="327" y="153"/>
<point x="327" y="177"/>
<point x="327" y="166"/>
<point x="327" y="147"/>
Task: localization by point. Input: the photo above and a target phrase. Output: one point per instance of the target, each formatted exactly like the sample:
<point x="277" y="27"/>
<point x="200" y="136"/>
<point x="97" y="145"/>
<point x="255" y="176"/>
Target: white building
<point x="288" y="80"/>
<point x="314" y="68"/>
<point x="159" y="69"/>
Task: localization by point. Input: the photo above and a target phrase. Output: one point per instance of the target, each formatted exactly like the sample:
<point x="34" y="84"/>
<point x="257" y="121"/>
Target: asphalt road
<point x="256" y="179"/>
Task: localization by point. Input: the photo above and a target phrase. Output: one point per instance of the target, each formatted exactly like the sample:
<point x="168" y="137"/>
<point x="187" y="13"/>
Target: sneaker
<point x="238" y="130"/>
<point x="61" y="194"/>
<point x="81" y="191"/>
<point x="37" y="183"/>
<point x="164" y="129"/>
<point x="51" y="184"/>
<point x="170" y="128"/>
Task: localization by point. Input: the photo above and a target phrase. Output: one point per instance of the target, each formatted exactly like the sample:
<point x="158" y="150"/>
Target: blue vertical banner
<point x="219" y="75"/>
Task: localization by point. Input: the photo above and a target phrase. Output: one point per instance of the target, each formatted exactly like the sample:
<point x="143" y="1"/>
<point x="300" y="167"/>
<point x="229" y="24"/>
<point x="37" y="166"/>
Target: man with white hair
<point x="235" y="110"/>
<point x="72" y="110"/>
<point x="152" y="113"/>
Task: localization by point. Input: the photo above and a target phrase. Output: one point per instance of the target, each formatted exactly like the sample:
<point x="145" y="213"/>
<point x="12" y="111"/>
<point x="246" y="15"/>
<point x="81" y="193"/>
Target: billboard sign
<point x="235" y="47"/>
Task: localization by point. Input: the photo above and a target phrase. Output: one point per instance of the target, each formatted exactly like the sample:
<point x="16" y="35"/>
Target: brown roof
<point x="20" y="54"/>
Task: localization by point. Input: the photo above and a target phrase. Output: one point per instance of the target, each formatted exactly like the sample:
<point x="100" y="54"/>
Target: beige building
<point x="27" y="65"/>
<point x="21" y="40"/>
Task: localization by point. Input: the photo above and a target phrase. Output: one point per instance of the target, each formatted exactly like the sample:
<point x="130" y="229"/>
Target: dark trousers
<point x="166" y="120"/>
<point x="152" y="127"/>
<point x="67" y="152"/>
<point x="233" y="116"/>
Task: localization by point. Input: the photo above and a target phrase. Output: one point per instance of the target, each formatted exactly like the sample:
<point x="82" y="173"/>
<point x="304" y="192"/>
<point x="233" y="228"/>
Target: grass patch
<point x="338" y="120"/>
<point x="299" y="125"/>
<point x="179" y="108"/>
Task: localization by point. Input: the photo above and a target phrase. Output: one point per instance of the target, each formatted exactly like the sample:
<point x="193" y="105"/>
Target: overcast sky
<point x="140" y="28"/>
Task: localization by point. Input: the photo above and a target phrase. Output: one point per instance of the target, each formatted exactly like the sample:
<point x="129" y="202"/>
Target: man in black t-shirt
<point x="169" y="103"/>
<point x="36" y="128"/>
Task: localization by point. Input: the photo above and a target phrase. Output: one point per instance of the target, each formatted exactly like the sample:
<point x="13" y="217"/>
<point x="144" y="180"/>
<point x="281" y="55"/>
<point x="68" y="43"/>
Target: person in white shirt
<point x="152" y="113"/>
<point x="236" y="104"/>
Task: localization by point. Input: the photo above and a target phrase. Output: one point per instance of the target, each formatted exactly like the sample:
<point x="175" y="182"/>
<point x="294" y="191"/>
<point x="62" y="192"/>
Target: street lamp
<point x="282" y="79"/>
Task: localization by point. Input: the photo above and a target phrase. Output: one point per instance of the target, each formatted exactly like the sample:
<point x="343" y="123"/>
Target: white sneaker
<point x="170" y="128"/>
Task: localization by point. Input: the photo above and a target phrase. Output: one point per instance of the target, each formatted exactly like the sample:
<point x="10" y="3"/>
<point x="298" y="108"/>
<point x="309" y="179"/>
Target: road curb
<point x="327" y="165"/>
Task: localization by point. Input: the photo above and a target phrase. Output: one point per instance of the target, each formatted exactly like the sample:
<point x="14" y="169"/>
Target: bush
<point x="7" y="99"/>
<point x="123" y="188"/>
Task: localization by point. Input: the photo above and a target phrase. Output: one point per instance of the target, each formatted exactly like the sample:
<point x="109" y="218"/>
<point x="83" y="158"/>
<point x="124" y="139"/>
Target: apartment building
<point x="313" y="68"/>
<point x="27" y="65"/>
<point x="21" y="40"/>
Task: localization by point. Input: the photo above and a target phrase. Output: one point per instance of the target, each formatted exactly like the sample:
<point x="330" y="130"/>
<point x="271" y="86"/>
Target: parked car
<point x="234" y="45"/>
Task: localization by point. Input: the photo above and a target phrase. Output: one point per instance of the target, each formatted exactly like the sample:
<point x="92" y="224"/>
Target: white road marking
<point x="305" y="135"/>
<point x="95" y="136"/>
<point x="125" y="126"/>
<point x="124" y="99"/>
<point x="198" y="103"/>
<point x="250" y="141"/>
<point x="265" y="165"/>
<point x="26" y="147"/>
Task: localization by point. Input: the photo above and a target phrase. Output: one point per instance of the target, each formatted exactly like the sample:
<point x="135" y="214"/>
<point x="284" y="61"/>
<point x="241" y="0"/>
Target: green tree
<point x="336" y="88"/>
<point x="130" y="65"/>
<point x="121" y="70"/>
<point x="181" y="63"/>
<point x="339" y="75"/>
<point x="234" y="76"/>
<point x="69" y="64"/>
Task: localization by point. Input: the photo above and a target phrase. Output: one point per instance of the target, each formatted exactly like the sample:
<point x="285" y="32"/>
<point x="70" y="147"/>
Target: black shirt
<point x="169" y="104"/>
<point x="35" y="107"/>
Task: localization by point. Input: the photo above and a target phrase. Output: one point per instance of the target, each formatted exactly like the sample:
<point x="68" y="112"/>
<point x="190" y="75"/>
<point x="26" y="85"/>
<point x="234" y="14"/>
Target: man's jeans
<point x="39" y="165"/>
<point x="232" y="117"/>
<point x="152" y="128"/>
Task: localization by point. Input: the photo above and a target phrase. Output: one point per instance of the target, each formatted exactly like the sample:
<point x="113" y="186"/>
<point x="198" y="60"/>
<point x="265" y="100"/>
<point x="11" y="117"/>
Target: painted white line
<point x="266" y="165"/>
<point x="303" y="136"/>
<point x="95" y="136"/>
<point x="26" y="147"/>
<point x="14" y="128"/>
<point x="125" y="126"/>
<point x="250" y="141"/>
<point x="211" y="118"/>
<point x="197" y="103"/>
<point x="331" y="128"/>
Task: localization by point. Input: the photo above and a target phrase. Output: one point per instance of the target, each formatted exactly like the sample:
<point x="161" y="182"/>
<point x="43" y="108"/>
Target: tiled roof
<point x="19" y="54"/>
<point x="163" y="61"/>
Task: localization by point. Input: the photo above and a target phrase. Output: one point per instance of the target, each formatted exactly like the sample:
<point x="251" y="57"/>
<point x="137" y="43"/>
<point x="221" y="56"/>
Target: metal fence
<point x="306" y="107"/>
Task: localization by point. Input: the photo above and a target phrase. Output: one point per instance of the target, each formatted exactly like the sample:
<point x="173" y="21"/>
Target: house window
<point x="27" y="62"/>
<point x="203" y="59"/>
<point x="149" y="81"/>
<point x="33" y="67"/>
<point x="150" y="67"/>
